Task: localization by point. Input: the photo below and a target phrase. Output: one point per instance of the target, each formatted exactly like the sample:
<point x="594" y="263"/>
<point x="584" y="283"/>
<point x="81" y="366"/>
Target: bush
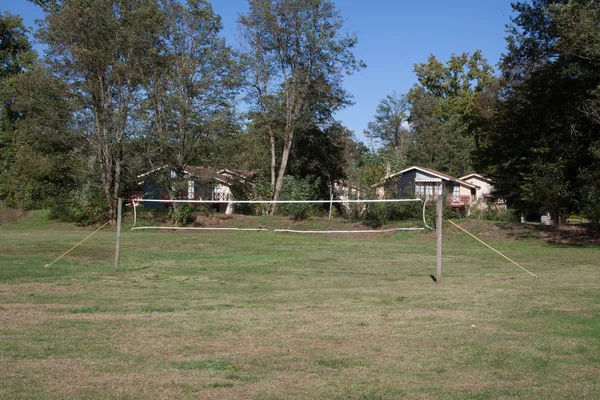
<point x="182" y="215"/>
<point x="298" y="189"/>
<point x="84" y="206"/>
<point x="490" y="213"/>
<point x="591" y="209"/>
<point x="402" y="210"/>
<point x="375" y="215"/>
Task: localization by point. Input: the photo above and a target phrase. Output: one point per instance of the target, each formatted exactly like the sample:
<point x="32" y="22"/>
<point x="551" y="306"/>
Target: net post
<point x="118" y="245"/>
<point x="438" y="226"/>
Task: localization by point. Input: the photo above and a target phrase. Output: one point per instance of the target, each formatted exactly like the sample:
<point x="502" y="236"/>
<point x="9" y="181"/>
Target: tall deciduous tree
<point x="40" y="159"/>
<point x="101" y="49"/>
<point x="297" y="58"/>
<point x="390" y="126"/>
<point x="540" y="136"/>
<point x="191" y="89"/>
<point x="442" y="110"/>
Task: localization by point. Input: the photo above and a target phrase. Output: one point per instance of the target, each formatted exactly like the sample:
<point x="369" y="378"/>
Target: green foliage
<point x="182" y="214"/>
<point x="539" y="124"/>
<point x="379" y="163"/>
<point x="491" y="213"/>
<point x="104" y="48"/>
<point x="297" y="58"/>
<point x="388" y="126"/>
<point x="16" y="52"/>
<point x="375" y="215"/>
<point x="298" y="189"/>
<point x="441" y="111"/>
<point x="38" y="147"/>
<point x="320" y="153"/>
<point x="191" y="91"/>
<point x="84" y="205"/>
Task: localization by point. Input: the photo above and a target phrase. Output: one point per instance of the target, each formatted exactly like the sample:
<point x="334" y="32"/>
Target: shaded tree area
<point x="539" y="136"/>
<point x="101" y="49"/>
<point x="37" y="154"/>
<point x="128" y="87"/>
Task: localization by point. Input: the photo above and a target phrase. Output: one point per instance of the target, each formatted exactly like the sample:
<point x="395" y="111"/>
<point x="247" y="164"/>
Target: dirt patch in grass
<point x="80" y="379"/>
<point x="573" y="235"/>
<point x="39" y="289"/>
<point x="11" y="214"/>
<point x="22" y="315"/>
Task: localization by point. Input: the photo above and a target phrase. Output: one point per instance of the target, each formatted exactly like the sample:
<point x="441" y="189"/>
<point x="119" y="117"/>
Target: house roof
<point x="433" y="172"/>
<point x="225" y="176"/>
<point x="480" y="177"/>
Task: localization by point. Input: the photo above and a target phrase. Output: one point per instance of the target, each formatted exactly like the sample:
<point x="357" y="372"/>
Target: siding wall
<point x="407" y="180"/>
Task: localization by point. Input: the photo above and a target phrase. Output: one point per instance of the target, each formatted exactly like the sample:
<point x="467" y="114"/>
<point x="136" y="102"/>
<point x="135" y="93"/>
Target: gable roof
<point x="435" y="173"/>
<point x="225" y="176"/>
<point x="480" y="177"/>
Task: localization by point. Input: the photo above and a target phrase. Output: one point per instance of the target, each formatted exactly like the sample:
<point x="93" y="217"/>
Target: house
<point x="425" y="182"/>
<point x="201" y="183"/>
<point x="485" y="191"/>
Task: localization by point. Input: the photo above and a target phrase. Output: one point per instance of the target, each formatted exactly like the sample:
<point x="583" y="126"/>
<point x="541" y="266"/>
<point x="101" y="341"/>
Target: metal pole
<point x="118" y="249"/>
<point x="438" y="225"/>
<point x="330" y="202"/>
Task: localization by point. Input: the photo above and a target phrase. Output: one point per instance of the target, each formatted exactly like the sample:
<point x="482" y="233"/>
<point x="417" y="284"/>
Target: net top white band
<point x="136" y="200"/>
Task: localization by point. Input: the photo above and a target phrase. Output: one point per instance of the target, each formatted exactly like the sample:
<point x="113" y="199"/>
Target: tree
<point x="319" y="154"/>
<point x="539" y="135"/>
<point x="297" y="59"/>
<point x="16" y="57"/>
<point x="191" y="90"/>
<point x="16" y="52"/>
<point x="101" y="49"/>
<point x="390" y="126"/>
<point x="39" y="154"/>
<point x="442" y="111"/>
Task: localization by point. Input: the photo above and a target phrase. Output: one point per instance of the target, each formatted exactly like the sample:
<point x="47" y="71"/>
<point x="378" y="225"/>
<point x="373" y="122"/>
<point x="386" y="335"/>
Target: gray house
<point x="428" y="183"/>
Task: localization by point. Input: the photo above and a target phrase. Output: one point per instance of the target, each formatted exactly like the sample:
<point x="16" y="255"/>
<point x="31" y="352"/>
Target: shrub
<point x="298" y="189"/>
<point x="182" y="215"/>
<point x="490" y="213"/>
<point x="375" y="215"/>
<point x="84" y="206"/>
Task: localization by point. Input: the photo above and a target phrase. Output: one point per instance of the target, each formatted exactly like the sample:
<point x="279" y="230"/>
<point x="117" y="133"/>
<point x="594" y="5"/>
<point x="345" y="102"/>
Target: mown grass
<point x="267" y="316"/>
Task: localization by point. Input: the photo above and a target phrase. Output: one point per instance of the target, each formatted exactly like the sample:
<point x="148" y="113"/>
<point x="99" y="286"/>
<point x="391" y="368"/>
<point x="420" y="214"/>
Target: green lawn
<point x="231" y="315"/>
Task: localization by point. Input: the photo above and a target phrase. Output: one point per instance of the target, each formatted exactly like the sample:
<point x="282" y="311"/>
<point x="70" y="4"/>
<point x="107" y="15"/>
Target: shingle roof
<point x="433" y="172"/>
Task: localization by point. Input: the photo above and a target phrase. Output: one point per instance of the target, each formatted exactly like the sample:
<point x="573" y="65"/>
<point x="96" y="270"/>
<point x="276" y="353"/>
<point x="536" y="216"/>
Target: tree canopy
<point x="540" y="136"/>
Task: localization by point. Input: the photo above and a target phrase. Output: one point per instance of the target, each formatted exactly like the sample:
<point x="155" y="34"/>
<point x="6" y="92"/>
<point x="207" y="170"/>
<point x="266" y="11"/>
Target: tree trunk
<point x="273" y="157"/>
<point x="116" y="186"/>
<point x="284" y="159"/>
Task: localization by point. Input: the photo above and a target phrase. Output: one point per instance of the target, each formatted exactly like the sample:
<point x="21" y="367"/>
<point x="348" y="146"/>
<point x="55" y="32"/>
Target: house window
<point x="429" y="189"/>
<point x="456" y="191"/>
<point x="419" y="188"/>
<point x="190" y="190"/>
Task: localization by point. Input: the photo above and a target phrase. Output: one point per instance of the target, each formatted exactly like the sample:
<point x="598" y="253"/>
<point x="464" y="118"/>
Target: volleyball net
<point x="363" y="216"/>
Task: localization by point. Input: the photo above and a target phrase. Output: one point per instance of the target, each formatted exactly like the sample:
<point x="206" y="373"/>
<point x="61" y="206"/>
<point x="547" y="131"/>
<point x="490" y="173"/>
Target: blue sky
<point x="393" y="35"/>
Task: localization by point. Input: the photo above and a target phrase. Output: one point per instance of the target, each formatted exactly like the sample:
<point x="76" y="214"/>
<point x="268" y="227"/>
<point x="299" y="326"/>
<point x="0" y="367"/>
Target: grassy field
<point x="285" y="316"/>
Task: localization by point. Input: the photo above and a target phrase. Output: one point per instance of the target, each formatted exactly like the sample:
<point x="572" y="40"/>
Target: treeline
<point x="126" y="87"/>
<point x="534" y="129"/>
